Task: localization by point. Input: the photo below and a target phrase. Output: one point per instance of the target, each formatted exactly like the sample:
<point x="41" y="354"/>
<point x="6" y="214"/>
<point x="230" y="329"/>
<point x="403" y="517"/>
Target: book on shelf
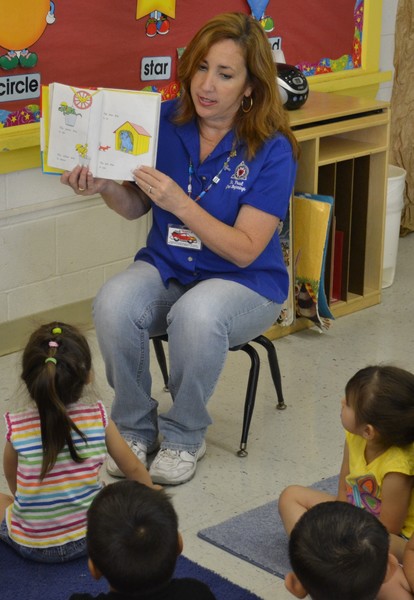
<point x="287" y="314"/>
<point x="337" y="267"/>
<point x="111" y="131"/>
<point x="312" y="214"/>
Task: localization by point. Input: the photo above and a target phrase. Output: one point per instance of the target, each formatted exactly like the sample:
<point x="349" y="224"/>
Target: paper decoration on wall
<point x="158" y="12"/>
<point x="311" y="222"/>
<point x="258" y="8"/>
<point x="22" y="23"/>
<point x="170" y="91"/>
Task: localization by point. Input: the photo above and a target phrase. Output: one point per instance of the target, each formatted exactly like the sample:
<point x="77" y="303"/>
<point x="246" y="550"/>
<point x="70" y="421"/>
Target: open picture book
<point x="110" y="131"/>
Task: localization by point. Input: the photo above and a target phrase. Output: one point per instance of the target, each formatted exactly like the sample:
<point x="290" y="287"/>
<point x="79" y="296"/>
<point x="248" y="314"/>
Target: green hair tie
<point x="56" y="330"/>
<point x="51" y="359"/>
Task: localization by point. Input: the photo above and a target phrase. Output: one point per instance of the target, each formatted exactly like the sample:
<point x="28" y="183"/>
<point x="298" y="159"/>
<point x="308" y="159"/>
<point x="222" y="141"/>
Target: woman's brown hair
<point x="267" y="115"/>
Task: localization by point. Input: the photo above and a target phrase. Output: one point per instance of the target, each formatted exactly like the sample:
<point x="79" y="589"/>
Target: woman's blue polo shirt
<point x="265" y="182"/>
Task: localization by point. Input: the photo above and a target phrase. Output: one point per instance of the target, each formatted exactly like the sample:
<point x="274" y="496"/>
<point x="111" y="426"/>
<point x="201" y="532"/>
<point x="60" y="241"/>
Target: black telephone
<point x="293" y="86"/>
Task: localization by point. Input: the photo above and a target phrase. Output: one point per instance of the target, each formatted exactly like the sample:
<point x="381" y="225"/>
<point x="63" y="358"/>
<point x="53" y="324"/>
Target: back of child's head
<point x="132" y="536"/>
<point x="383" y="396"/>
<point x="339" y="551"/>
<point x="56" y="365"/>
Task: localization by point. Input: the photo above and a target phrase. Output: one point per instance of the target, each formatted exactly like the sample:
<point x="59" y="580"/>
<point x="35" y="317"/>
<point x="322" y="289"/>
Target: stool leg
<point x="160" y="354"/>
<point x="274" y="368"/>
<point x="250" y="396"/>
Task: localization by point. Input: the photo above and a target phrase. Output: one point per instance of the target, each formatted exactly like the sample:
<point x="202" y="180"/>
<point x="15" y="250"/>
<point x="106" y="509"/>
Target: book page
<point x="74" y="114"/>
<point x="128" y="133"/>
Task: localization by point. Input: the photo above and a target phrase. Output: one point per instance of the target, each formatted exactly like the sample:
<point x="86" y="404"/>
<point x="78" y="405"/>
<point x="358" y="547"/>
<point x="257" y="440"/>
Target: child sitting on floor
<point x="338" y="551"/>
<point x="378" y="460"/>
<point x="55" y="448"/>
<point x="133" y="542"/>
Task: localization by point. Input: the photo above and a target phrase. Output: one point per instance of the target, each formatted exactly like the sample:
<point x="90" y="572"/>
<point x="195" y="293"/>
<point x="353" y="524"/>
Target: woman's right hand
<point x="83" y="183"/>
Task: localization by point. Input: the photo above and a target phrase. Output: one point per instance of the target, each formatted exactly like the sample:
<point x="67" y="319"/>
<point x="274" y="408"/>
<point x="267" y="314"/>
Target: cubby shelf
<point x="344" y="154"/>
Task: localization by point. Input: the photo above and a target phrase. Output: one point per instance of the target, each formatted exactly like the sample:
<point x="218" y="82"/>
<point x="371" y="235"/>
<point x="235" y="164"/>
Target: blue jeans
<point x="202" y="321"/>
<point x="53" y="554"/>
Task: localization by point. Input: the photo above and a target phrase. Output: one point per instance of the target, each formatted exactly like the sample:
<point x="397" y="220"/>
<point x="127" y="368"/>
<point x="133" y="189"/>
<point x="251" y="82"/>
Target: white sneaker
<point x="139" y="449"/>
<point x="171" y="467"/>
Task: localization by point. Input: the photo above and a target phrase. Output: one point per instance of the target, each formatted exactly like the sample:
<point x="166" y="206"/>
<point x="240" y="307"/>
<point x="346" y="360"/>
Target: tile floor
<point x="301" y="444"/>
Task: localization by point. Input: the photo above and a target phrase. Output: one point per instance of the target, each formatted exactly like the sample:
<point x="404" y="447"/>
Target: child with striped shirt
<point x="55" y="448"/>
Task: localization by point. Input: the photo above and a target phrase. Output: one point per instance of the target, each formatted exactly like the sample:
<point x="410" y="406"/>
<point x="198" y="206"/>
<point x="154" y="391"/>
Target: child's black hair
<point x="132" y="536"/>
<point x="339" y="551"/>
<point x="383" y="396"/>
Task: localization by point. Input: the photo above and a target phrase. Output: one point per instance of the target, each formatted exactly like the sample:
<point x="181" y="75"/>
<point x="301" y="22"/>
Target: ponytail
<point x="56" y="366"/>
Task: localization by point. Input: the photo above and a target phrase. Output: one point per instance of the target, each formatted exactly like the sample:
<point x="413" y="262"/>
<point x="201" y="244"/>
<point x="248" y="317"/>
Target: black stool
<point x="250" y="398"/>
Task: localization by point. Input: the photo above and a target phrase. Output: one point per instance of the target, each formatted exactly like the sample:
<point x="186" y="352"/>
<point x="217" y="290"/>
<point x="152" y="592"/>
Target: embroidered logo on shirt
<point x="241" y="172"/>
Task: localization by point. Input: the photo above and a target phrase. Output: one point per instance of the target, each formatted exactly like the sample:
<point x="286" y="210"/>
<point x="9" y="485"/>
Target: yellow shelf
<point x="336" y="149"/>
<point x="19" y="147"/>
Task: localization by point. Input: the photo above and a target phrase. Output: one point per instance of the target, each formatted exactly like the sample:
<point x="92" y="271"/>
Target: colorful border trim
<point x="345" y="62"/>
<point x="22" y="116"/>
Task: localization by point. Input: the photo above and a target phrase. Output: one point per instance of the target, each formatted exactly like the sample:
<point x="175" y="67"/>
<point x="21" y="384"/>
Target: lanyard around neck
<point x="215" y="179"/>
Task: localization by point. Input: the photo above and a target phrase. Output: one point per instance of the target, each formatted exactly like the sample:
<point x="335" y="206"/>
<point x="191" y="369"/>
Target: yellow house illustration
<point x="132" y="138"/>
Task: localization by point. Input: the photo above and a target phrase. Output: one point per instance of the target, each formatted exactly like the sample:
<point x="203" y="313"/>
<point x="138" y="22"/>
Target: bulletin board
<point x="135" y="44"/>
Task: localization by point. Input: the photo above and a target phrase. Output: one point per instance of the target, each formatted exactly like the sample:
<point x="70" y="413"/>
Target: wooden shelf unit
<point x="344" y="153"/>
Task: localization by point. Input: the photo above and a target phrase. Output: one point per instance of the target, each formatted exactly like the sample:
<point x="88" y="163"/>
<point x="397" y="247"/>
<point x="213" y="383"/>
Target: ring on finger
<point x="81" y="189"/>
<point x="149" y="189"/>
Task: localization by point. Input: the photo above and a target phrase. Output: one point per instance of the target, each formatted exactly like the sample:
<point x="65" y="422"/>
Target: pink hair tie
<point x="53" y="344"/>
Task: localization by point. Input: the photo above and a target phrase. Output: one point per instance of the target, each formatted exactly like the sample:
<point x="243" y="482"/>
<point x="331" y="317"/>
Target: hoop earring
<point x="248" y="108"/>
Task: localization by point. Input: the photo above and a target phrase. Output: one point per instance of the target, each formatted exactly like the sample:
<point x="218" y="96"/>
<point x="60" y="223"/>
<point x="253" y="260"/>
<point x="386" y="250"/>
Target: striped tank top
<point x="52" y="512"/>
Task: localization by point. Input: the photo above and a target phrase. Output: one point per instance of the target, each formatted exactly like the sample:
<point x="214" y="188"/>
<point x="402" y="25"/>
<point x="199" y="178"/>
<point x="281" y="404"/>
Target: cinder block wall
<point x="56" y="250"/>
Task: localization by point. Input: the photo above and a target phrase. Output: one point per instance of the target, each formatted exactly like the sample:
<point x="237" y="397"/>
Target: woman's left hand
<point x="161" y="189"/>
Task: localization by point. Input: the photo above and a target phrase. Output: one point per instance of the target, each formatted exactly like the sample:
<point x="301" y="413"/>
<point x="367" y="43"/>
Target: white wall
<point x="56" y="248"/>
<point x="389" y="11"/>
